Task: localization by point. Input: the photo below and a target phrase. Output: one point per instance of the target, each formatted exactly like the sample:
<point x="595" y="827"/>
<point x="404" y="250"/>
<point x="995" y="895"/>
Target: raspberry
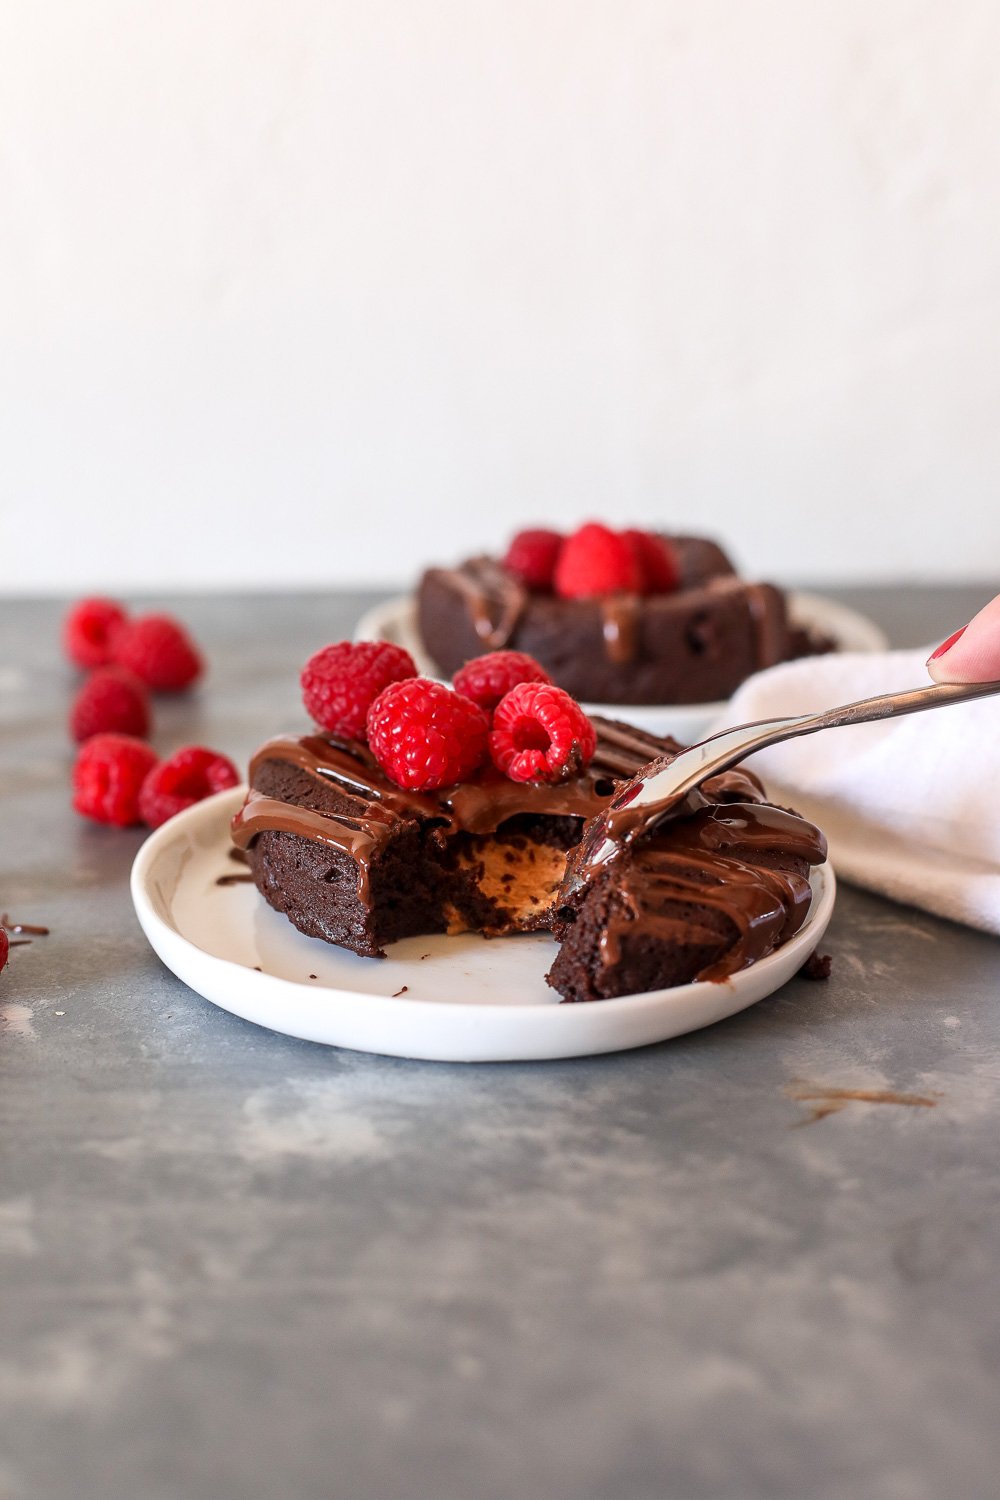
<point x="4" y="947"/>
<point x="90" y="630"/>
<point x="187" y="777"/>
<point x="486" y="679"/>
<point x="532" y="557"/>
<point x="659" y="568"/>
<point x="540" y="733"/>
<point x="108" y="773"/>
<point x="111" y="700"/>
<point x="159" y="652"/>
<point x="595" y="560"/>
<point x="341" y="682"/>
<point x="424" y="736"/>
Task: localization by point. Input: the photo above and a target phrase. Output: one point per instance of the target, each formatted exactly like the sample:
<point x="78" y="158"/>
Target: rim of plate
<point x="162" y="933"/>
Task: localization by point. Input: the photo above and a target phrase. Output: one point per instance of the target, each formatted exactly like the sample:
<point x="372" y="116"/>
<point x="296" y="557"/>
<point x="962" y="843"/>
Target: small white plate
<point x="396" y="621"/>
<point x="450" y="999"/>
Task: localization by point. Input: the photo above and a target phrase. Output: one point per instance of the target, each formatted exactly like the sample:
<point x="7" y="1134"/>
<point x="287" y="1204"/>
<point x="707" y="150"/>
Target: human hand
<point x="972" y="654"/>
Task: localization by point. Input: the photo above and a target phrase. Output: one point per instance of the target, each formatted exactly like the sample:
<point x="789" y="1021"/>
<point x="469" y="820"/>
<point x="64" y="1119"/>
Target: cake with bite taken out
<point x="613" y="617"/>
<point x="414" y="809"/>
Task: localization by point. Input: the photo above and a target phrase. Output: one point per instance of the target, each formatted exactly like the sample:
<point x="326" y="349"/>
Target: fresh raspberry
<point x="187" y="777"/>
<point x="90" y="631"/>
<point x="487" y="679"/>
<point x="341" y="682"/>
<point x="595" y="560"/>
<point x="110" y="701"/>
<point x="659" y="567"/>
<point x="4" y="947"/>
<point x="160" y="653"/>
<point x="532" y="557"/>
<point x="540" y="733"/>
<point x="109" y="770"/>
<point x="424" y="736"/>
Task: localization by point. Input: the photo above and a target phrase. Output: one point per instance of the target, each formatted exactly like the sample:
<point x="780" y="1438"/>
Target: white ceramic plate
<point x="453" y="999"/>
<point x="396" y="621"/>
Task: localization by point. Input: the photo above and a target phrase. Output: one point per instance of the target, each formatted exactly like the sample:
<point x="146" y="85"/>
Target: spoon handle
<point x="637" y="808"/>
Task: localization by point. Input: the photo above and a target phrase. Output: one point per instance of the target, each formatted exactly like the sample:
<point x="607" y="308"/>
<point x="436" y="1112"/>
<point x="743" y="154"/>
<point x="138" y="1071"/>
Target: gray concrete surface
<point x="239" y="1267"/>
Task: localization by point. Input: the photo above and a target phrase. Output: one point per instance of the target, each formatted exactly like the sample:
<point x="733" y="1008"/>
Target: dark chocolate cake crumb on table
<point x="351" y="858"/>
<point x="817" y="966"/>
<point x="695" y="644"/>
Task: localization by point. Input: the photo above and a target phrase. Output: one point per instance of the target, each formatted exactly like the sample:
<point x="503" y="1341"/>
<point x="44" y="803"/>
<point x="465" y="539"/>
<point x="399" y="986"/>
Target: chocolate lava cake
<point x="695" y="644"/>
<point x="351" y="858"/>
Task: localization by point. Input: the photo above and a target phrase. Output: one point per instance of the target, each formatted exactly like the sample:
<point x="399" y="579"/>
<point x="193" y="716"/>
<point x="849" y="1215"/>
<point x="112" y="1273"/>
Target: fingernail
<point x="946" y="645"/>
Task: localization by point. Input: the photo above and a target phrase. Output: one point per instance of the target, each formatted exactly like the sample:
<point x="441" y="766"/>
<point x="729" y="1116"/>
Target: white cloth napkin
<point x="911" y="807"/>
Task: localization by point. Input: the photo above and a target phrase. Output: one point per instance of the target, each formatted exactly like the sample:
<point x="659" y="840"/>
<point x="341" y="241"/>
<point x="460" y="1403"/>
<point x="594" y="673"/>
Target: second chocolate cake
<point x="694" y="644"/>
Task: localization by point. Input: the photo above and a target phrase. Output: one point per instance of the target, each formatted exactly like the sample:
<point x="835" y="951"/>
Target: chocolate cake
<point x="351" y="858"/>
<point x="695" y="644"/>
<point x="722" y="882"/>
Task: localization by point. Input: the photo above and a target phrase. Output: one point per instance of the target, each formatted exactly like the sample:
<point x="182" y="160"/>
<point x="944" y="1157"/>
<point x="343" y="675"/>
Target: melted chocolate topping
<point x="620" y="626"/>
<point x="708" y="857"/>
<point x="494" y="598"/>
<point x="375" y="806"/>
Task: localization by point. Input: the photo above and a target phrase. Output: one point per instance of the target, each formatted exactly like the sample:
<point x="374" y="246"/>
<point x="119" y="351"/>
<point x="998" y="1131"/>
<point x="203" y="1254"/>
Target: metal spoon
<point x="645" y="802"/>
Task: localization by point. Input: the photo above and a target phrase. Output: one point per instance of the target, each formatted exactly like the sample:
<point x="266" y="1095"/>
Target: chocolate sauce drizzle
<point x="494" y="598"/>
<point x="374" y="807"/>
<point x="708" y="857"/>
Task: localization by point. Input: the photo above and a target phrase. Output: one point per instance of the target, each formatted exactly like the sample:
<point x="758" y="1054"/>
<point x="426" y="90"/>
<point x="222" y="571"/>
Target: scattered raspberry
<point x="4" y="947"/>
<point x="110" y="701"/>
<point x="90" y="630"/>
<point x="659" y="568"/>
<point x="532" y="557"/>
<point x="540" y="733"/>
<point x="341" y="682"/>
<point x="108" y="773"/>
<point x="425" y="736"/>
<point x="596" y="560"/>
<point x="187" y="777"/>
<point x="159" y="652"/>
<point x="487" y="679"/>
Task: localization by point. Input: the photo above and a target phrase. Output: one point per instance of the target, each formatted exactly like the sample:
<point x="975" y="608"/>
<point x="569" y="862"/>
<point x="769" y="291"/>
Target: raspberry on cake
<point x="341" y="682"/>
<point x="635" y="617"/>
<point x="541" y="734"/>
<point x="596" y="561"/>
<point x="532" y="557"/>
<point x="487" y="679"/>
<point x="425" y="736"/>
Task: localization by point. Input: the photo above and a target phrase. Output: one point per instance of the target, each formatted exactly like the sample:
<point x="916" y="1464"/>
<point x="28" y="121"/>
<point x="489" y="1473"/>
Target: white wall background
<point x="316" y="290"/>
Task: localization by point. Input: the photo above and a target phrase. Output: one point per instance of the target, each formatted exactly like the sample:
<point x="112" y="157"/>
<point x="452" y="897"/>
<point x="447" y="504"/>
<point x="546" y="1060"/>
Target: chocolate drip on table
<point x="375" y="806"/>
<point x="25" y="928"/>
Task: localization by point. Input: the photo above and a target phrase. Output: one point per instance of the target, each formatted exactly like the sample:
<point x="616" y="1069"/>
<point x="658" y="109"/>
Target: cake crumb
<point x="817" y="966"/>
